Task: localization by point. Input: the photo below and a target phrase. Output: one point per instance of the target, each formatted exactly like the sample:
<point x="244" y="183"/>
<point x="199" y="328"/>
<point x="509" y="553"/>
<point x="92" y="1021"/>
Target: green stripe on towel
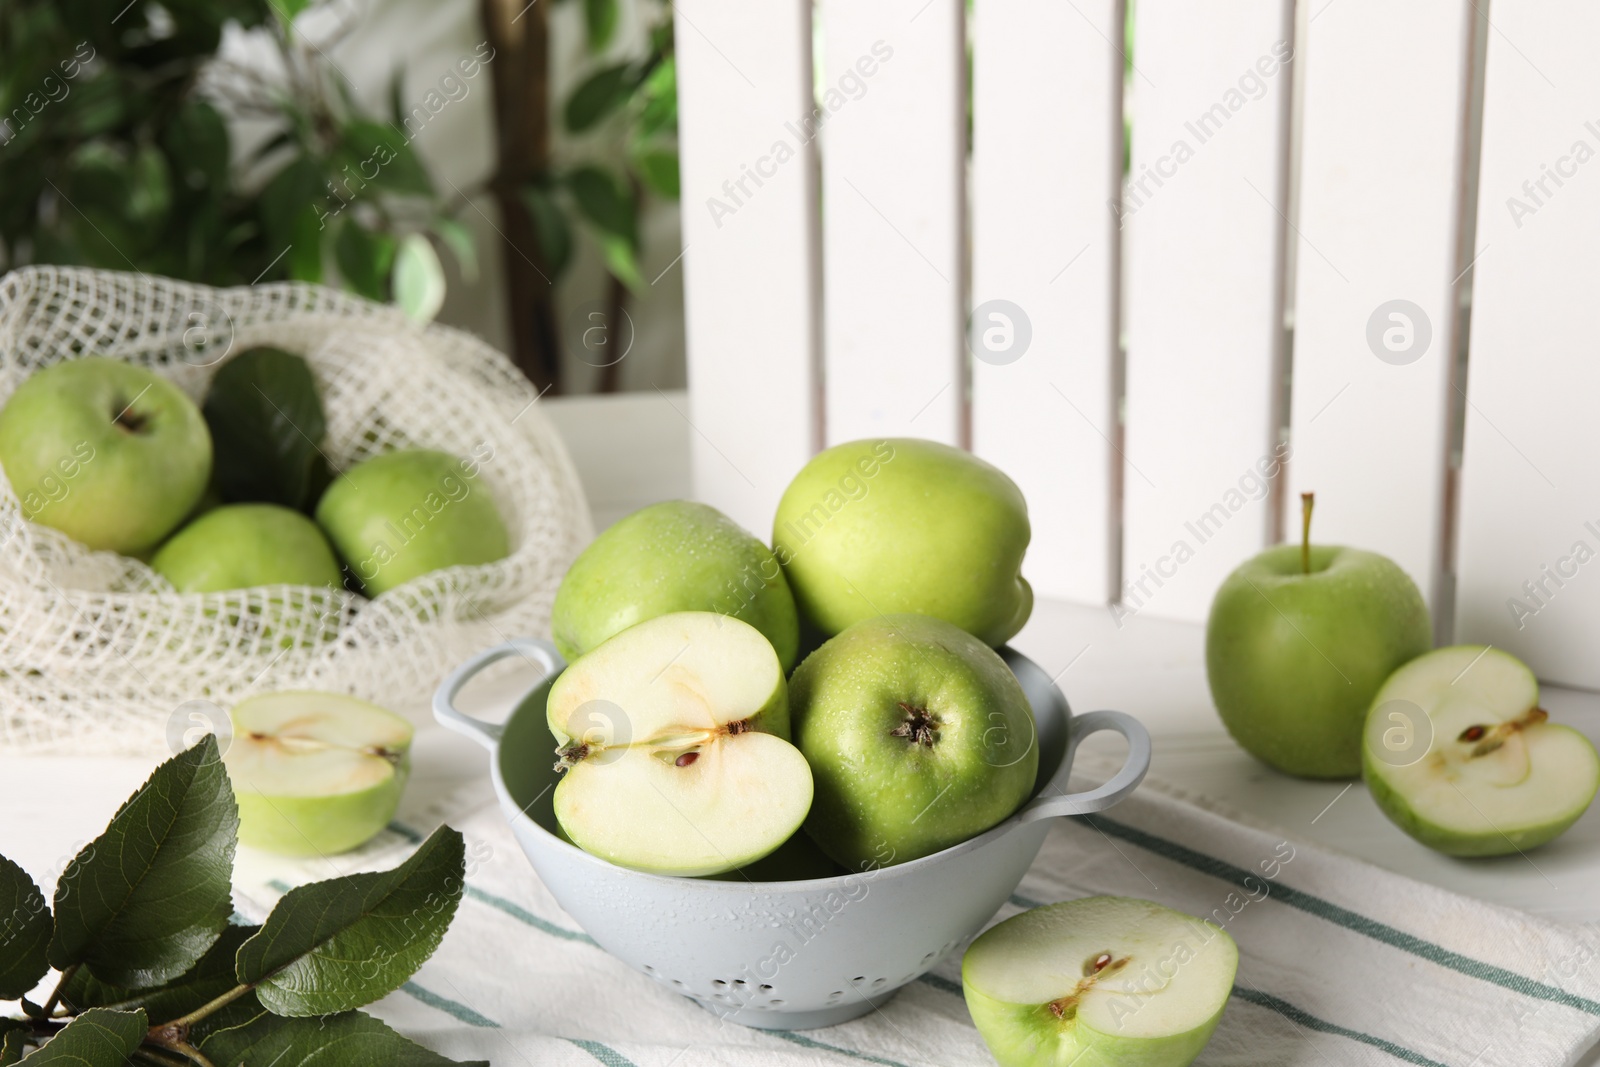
<point x="1323" y="909"/>
<point x="943" y="984"/>
<point x="1311" y="1022"/>
<point x="454" y="1008"/>
<point x="523" y="915"/>
<point x="459" y="1011"/>
<point x="604" y="1053"/>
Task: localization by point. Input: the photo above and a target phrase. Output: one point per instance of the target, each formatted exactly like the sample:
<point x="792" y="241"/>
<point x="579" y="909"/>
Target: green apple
<point x="238" y="546"/>
<point x="1099" y="982"/>
<point x="904" y="525"/>
<point x="315" y="773"/>
<point x="1458" y="753"/>
<point x="673" y="556"/>
<point x="403" y="514"/>
<point x="109" y="453"/>
<point x="671" y="739"/>
<point x="918" y="735"/>
<point x="1298" y="641"/>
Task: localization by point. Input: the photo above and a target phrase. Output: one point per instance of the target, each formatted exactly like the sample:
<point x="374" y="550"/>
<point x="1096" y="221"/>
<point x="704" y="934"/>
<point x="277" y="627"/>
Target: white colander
<point x="785" y="955"/>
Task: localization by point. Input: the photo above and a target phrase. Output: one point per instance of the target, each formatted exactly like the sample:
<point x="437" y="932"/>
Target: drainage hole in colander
<point x="677" y="983"/>
<point x="835" y="995"/>
<point x="776" y="1002"/>
<point x="928" y="957"/>
<point x="649" y="969"/>
<point x="718" y="981"/>
<point x="766" y="988"/>
<point x="859" y="978"/>
<point x="738" y="981"/>
<point x="879" y="983"/>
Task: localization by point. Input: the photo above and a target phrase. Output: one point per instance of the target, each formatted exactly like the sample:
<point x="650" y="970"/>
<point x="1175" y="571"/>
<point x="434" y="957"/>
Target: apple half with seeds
<point x="1099" y="982"/>
<point x="1458" y="753"/>
<point x="672" y="740"/>
<point x="315" y="773"/>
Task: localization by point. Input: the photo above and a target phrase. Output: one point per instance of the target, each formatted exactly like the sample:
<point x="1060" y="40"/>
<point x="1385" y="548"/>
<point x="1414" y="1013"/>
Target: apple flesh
<point x="674" y="556"/>
<point x="315" y="773"/>
<point x="1294" y="658"/>
<point x="905" y="525"/>
<point x="109" y="453"/>
<point x="240" y="546"/>
<point x="1458" y="753"/>
<point x="400" y="515"/>
<point x="672" y="742"/>
<point x="918" y="735"/>
<point x="1099" y="982"/>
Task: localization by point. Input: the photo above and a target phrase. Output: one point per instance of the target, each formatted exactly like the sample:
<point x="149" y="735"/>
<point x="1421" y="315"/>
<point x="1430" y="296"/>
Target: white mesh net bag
<point x="99" y="654"/>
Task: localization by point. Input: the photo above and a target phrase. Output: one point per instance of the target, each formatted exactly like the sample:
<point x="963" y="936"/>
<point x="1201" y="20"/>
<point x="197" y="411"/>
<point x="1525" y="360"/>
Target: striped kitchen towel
<point x="1341" y="963"/>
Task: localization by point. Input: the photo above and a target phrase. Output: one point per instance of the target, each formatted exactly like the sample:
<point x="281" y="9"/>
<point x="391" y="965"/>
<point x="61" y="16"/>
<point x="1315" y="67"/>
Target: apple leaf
<point x="596" y="97"/>
<point x="659" y="169"/>
<point x="336" y="945"/>
<point x="418" y="280"/>
<point x="141" y="903"/>
<point x="461" y="243"/>
<point x="267" y="428"/>
<point x="600" y="22"/>
<point x="364" y="257"/>
<point x="604" y="202"/>
<point x="98" y="1038"/>
<point x="24" y="932"/>
<point x="207" y="980"/>
<point x="352" y="1039"/>
<point x="551" y="227"/>
<point x="12" y="1046"/>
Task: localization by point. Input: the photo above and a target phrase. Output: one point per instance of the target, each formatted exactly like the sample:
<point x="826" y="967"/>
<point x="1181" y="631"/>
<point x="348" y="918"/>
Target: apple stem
<point x="1307" y="500"/>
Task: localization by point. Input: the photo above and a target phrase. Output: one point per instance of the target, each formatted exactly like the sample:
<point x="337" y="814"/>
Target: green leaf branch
<point x="151" y="970"/>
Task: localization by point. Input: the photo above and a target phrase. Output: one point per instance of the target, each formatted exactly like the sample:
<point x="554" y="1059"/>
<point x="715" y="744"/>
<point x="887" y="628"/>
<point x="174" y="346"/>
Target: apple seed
<point x="686" y="759"/>
<point x="1488" y="740"/>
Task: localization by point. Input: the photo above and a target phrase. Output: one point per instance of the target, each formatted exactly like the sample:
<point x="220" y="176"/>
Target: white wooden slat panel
<point x="1530" y="505"/>
<point x="893" y="115"/>
<point x="1203" y="215"/>
<point x="1044" y="240"/>
<point x="1385" y="95"/>
<point x="750" y="234"/>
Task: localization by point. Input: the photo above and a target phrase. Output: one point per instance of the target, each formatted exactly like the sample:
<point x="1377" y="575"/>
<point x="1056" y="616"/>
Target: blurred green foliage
<point x="116" y="152"/>
<point x="636" y="100"/>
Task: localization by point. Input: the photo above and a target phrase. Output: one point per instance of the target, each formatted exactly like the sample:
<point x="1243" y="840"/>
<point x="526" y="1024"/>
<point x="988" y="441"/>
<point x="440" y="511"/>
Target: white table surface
<point x="633" y="449"/>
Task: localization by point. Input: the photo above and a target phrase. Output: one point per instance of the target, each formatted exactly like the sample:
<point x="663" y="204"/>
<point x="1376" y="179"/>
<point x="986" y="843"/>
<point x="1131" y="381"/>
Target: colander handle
<point x="488" y="734"/>
<point x="1053" y="802"/>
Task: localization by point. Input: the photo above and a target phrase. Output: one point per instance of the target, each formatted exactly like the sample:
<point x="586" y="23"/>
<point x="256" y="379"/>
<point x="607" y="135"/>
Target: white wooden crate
<point x="1267" y="300"/>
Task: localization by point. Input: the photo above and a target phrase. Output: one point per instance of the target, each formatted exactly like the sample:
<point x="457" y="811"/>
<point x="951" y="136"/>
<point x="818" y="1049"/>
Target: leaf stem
<point x="206" y="1009"/>
<point x="55" y="996"/>
<point x="190" y="1054"/>
<point x="1306" y="502"/>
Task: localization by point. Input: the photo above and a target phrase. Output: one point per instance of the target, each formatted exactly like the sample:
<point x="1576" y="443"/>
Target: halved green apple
<point x="672" y="736"/>
<point x="1099" y="982"/>
<point x="315" y="773"/>
<point x="1458" y="753"/>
